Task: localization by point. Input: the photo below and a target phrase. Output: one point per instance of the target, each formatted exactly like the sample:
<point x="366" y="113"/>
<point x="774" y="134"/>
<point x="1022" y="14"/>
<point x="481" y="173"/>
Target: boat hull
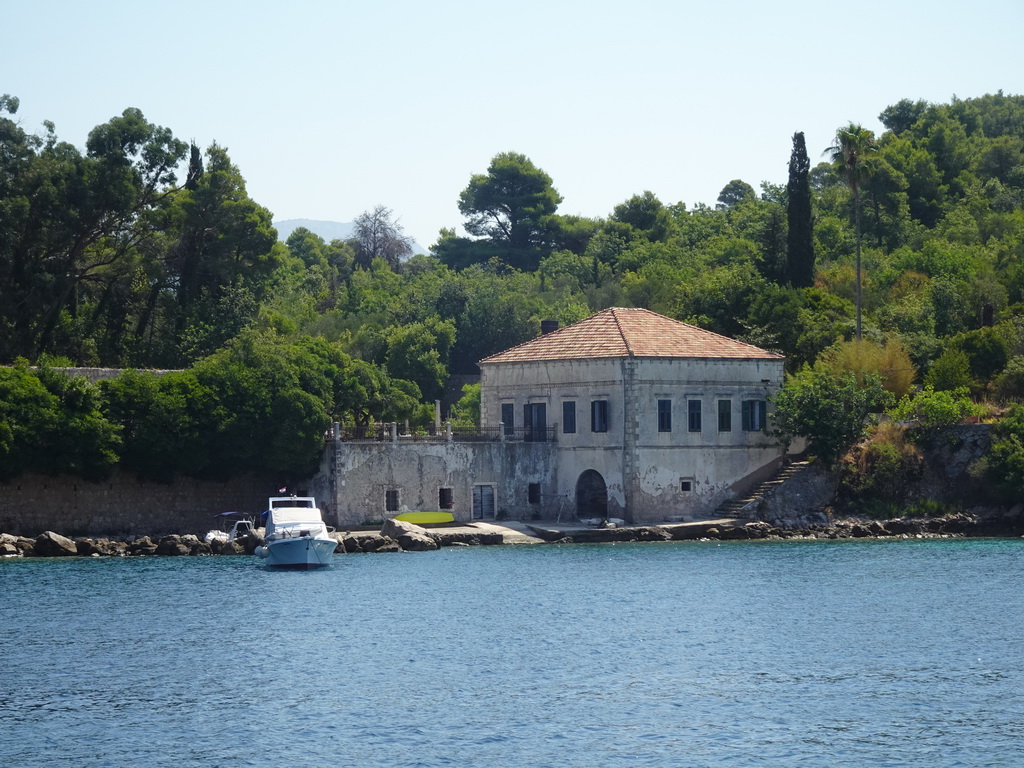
<point x="302" y="553"/>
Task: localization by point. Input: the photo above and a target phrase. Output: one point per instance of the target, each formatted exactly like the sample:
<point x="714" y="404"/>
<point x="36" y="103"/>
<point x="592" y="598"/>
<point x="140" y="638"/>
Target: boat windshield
<point x="291" y="503"/>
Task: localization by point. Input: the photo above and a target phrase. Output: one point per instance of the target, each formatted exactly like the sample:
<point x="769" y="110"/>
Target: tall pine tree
<point x="800" y="240"/>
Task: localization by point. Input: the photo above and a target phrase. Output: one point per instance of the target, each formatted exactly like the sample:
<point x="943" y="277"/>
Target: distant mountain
<point x="328" y="230"/>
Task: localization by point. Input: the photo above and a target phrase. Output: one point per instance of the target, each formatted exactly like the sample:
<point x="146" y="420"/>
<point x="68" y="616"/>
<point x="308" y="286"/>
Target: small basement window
<point x="686" y="484"/>
<point x="533" y="493"/>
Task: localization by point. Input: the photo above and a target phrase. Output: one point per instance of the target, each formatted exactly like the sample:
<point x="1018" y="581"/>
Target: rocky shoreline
<point x="396" y="536"/>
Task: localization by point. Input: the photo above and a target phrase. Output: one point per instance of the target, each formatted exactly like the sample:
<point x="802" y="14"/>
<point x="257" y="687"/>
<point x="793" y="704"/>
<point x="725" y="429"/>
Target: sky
<point x="332" y="108"/>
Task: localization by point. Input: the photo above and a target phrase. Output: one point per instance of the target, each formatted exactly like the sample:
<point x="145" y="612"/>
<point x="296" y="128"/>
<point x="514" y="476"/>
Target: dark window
<point x="754" y="412"/>
<point x="391" y="501"/>
<point x="664" y="415"/>
<point x="533" y="493"/>
<point x="725" y="415"/>
<point x="686" y="485"/>
<point x="693" y="411"/>
<point x="599" y="416"/>
<point x="569" y="417"/>
<point x="508" y="416"/>
<point x="535" y="422"/>
<point x="445" y="498"/>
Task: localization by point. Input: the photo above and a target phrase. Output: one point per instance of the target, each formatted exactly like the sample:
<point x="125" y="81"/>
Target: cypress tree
<point x="800" y="240"/>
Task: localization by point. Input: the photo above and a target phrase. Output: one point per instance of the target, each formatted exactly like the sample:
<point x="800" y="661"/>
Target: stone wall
<point x="364" y="473"/>
<point x="122" y="505"/>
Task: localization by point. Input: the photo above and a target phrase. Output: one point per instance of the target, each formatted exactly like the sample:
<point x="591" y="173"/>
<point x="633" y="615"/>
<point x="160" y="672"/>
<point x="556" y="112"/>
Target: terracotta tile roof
<point x="621" y="332"/>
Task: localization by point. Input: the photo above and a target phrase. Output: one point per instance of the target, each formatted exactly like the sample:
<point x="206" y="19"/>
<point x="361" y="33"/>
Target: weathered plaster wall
<point x="642" y="467"/>
<point x="364" y="472"/>
<point x="123" y="506"/>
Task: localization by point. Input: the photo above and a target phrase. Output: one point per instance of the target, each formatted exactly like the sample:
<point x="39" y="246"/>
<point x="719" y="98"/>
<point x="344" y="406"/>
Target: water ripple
<point x="690" y="654"/>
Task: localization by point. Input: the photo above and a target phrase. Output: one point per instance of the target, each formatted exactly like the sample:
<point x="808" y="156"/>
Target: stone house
<point x="626" y="414"/>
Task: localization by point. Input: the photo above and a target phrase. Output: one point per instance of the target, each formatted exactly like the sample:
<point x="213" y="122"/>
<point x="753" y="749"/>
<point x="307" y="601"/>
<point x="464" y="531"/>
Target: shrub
<point x="929" y="508"/>
<point x="928" y="412"/>
<point x="828" y="410"/>
<point x="1010" y="383"/>
<point x="951" y="370"/>
<point x="890" y="362"/>
<point x="1004" y="465"/>
<point x="50" y="423"/>
<point x="877" y="472"/>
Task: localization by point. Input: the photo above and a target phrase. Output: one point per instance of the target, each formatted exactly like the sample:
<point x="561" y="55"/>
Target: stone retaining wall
<point x="122" y="505"/>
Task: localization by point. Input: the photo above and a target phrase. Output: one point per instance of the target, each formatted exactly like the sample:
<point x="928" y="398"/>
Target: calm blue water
<point x="887" y="653"/>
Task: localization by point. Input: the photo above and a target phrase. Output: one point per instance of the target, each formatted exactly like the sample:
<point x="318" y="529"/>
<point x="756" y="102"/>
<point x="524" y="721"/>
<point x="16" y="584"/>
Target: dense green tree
<point x="420" y="353"/>
<point x="902" y="115"/>
<point x="223" y="257"/>
<point x="645" y="214"/>
<point x="307" y="246"/>
<point x="735" y="192"/>
<point x="987" y="349"/>
<point x="573" y="233"/>
<point x="511" y="205"/>
<point x="51" y="423"/>
<point x="500" y="313"/>
<point x="72" y="221"/>
<point x="800" y="238"/>
<point x="827" y="409"/>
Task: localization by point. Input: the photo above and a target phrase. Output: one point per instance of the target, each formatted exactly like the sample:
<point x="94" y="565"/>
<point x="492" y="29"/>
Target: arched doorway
<point x="591" y="495"/>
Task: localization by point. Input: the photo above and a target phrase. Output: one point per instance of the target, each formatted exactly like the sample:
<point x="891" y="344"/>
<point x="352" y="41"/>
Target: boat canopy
<point x="282" y="516"/>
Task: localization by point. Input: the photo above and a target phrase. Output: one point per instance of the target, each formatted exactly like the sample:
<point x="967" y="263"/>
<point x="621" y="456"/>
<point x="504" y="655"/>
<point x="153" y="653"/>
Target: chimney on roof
<point x="547" y="326"/>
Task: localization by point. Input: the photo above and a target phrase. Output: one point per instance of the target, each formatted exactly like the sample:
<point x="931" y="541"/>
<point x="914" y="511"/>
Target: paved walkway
<point x="520" y="532"/>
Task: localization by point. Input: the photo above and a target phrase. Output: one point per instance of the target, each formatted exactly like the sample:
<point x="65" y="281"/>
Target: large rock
<point x="225" y="547"/>
<point x="411" y="538"/>
<point x="859" y="531"/>
<point x="172" y="545"/>
<point x="100" y="547"/>
<point x="50" y="544"/>
<point x="9" y="545"/>
<point x="249" y="542"/>
<point x="377" y="543"/>
<point x="691" y="531"/>
<point x="758" y="530"/>
<point x="195" y="545"/>
<point x="903" y="526"/>
<point x="350" y="544"/>
<point x="455" y="538"/>
<point x="734" y="533"/>
<point x="142" y="546"/>
<point x="959" y="524"/>
<point x="652" y="533"/>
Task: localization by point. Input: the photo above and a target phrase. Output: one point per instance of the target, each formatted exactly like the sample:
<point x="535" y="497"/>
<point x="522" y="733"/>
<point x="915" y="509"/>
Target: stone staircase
<point x="735" y="507"/>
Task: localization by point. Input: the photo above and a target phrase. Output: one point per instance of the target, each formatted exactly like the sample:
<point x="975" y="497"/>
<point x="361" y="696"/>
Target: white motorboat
<point x="242" y="525"/>
<point x="296" y="536"/>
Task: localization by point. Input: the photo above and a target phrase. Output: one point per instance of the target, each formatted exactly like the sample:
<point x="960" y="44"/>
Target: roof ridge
<point x="622" y="333"/>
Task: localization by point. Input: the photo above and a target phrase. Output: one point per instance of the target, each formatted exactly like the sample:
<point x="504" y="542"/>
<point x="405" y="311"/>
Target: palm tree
<point x="853" y="144"/>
